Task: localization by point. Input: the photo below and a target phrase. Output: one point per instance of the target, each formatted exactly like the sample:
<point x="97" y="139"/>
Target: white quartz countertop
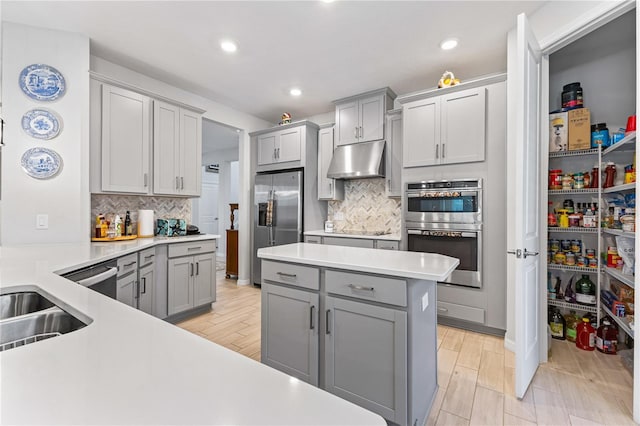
<point x="385" y="237"/>
<point x="127" y="367"/>
<point x="406" y="264"/>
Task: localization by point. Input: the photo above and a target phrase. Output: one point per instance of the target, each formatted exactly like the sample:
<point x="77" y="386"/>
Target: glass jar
<point x="578" y="180"/>
<point x="567" y="182"/>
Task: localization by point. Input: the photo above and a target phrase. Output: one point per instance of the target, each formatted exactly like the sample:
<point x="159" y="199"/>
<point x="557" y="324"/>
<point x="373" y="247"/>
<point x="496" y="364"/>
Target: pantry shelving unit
<point x="623" y="153"/>
<point x="573" y="162"/>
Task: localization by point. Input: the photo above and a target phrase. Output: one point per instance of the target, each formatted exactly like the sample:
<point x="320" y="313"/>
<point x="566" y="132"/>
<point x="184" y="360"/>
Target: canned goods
<point x="581" y="261"/>
<point x="574" y="220"/>
<point x="565" y="246"/>
<point x="560" y="258"/>
<point x="576" y="246"/>
<point x="578" y="180"/>
<point x="570" y="259"/>
<point x="555" y="179"/>
<point x="590" y="253"/>
<point x="554" y="245"/>
<point x="593" y="263"/>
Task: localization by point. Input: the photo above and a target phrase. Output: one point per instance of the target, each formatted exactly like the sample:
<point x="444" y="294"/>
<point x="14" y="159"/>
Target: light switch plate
<point x="42" y="221"/>
<point x="425" y="301"/>
<point x="338" y="216"/>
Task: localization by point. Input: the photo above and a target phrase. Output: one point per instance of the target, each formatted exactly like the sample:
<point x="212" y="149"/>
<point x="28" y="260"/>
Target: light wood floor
<point x="475" y="372"/>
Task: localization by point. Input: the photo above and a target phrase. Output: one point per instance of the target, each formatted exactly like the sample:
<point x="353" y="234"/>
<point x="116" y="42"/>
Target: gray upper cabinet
<point x="445" y="129"/>
<point x="290" y="331"/>
<point x="126" y="141"/>
<point x="393" y="184"/>
<point x="280" y="146"/>
<point x="361" y="118"/>
<point x="328" y="189"/>
<point x="365" y="356"/>
<point x="177" y="150"/>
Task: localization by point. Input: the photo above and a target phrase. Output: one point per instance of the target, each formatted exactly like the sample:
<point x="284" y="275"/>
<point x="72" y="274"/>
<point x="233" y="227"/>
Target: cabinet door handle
<point x="197" y="268"/>
<point x="284" y="274"/>
<point x="129" y="264"/>
<point x="359" y="287"/>
<point x="327" y="318"/>
<point x="194" y="248"/>
<point x="177" y="183"/>
<point x="443" y="145"/>
<point x="190" y="269"/>
<point x="437" y="146"/>
<point x="145" y="180"/>
<point x="144" y="285"/>
<point x="181" y="182"/>
<point x="355" y="132"/>
<point x="311" y="321"/>
<point x="149" y="257"/>
<point x="361" y="133"/>
<point x="137" y="290"/>
<point x="330" y="189"/>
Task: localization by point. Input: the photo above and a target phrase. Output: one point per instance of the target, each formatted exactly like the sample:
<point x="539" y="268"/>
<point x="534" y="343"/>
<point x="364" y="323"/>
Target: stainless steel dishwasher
<point x="100" y="278"/>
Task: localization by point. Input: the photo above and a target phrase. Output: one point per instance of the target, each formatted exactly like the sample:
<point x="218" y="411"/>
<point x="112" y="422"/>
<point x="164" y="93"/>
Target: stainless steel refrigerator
<point x="277" y="213"/>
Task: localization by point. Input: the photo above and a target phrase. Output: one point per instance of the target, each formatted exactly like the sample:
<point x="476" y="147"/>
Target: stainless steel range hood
<point x="357" y="160"/>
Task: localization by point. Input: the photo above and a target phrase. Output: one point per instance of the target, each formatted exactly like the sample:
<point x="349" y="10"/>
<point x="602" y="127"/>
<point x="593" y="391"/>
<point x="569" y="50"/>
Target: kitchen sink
<point x="30" y="316"/>
<point x="20" y="303"/>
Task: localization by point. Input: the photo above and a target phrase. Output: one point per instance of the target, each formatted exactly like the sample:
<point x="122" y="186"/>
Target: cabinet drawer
<point x="378" y="289"/>
<point x="467" y="313"/>
<point x="146" y="257"/>
<point x="127" y="264"/>
<point x="313" y="239"/>
<point x="387" y="245"/>
<point x="188" y="249"/>
<point x="296" y="275"/>
<point x="349" y="242"/>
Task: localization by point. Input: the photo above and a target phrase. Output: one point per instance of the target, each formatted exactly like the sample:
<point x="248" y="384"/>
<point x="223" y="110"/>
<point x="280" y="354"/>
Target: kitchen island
<point x="128" y="367"/>
<point x="358" y="322"/>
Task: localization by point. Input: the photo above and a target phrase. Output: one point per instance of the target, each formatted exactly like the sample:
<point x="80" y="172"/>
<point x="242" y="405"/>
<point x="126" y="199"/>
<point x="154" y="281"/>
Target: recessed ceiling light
<point x="448" y="44"/>
<point x="295" y="92"/>
<point x="328" y="1"/>
<point x="228" y="46"/>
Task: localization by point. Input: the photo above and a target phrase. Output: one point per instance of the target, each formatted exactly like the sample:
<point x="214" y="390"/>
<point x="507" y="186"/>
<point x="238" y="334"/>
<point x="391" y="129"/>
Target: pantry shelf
<point x="573" y="191"/>
<point x="576" y="307"/>
<point x="571" y="268"/>
<point x="561" y="154"/>
<point x="627" y="144"/>
<point x="575" y="229"/>
<point x="619" y="232"/>
<point x="619" y="188"/>
<point x="622" y="322"/>
<point x="627" y="279"/>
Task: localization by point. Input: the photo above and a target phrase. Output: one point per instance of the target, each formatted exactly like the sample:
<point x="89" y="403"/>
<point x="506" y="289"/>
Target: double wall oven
<point x="445" y="217"/>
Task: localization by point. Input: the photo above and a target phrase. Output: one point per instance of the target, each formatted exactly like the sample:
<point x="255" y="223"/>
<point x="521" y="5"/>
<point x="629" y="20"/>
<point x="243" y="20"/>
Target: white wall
<point x="234" y="181"/>
<point x="64" y="198"/>
<point x="216" y="112"/>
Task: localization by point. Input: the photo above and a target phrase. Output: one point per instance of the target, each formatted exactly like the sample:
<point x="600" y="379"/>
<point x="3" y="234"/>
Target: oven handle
<point x="462" y="234"/>
<point x="475" y="192"/>
<point x="87" y="282"/>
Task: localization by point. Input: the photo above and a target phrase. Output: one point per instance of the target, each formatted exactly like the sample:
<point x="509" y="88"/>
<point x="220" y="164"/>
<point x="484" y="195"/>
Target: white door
<point x="524" y="197"/>
<point x="208" y="208"/>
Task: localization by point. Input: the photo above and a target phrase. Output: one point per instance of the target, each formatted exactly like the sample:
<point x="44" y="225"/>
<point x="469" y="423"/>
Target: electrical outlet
<point x="42" y="221"/>
<point x="338" y="216"/>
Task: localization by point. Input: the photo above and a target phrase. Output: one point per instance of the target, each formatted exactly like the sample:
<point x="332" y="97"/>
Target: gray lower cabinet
<point x="290" y="331"/>
<point x="146" y="283"/>
<point x="191" y="282"/>
<point x="365" y="356"/>
<point x="126" y="290"/>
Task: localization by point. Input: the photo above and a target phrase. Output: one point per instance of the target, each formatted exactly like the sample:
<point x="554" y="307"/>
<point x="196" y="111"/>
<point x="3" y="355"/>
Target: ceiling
<point x="328" y="50"/>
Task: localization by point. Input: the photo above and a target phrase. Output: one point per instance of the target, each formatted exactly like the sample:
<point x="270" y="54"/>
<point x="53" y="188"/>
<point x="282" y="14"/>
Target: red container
<point x="586" y="336"/>
<point x="555" y="179"/>
<point x="631" y="124"/>
<point x="607" y="338"/>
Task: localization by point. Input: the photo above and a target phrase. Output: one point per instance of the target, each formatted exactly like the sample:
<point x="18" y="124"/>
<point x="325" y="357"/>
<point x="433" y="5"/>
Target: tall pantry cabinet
<point x="608" y="50"/>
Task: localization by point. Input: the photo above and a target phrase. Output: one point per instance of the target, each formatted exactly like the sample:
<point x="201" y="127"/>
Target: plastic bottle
<point x="607" y="337"/>
<point x="572" y="322"/>
<point x="558" y="325"/>
<point x="118" y="228"/>
<point x="585" y="336"/>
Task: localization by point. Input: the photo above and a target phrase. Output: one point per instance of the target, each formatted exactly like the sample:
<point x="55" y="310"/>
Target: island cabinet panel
<point x="349" y="242"/>
<point x="290" y="331"/>
<point x="366" y="356"/>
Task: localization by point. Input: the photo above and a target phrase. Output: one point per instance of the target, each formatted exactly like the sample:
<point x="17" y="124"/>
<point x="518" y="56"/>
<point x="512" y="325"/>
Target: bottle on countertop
<point x="118" y="227"/>
<point x="128" y="229"/>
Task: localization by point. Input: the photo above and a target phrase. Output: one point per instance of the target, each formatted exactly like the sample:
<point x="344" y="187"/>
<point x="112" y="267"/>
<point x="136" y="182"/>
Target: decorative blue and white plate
<point x="41" y="163"/>
<point x="42" y="82"/>
<point x="41" y="124"/>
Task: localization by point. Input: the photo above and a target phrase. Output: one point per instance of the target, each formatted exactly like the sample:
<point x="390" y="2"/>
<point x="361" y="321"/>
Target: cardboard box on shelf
<point x="579" y="129"/>
<point x="558" y="132"/>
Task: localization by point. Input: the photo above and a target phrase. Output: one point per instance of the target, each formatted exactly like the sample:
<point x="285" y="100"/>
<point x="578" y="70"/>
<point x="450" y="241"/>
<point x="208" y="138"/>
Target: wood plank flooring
<point x="476" y="374"/>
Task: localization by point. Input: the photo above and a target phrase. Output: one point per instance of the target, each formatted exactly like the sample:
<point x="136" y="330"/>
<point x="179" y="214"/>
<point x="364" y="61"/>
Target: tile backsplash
<point x="163" y="207"/>
<point x="366" y="208"/>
